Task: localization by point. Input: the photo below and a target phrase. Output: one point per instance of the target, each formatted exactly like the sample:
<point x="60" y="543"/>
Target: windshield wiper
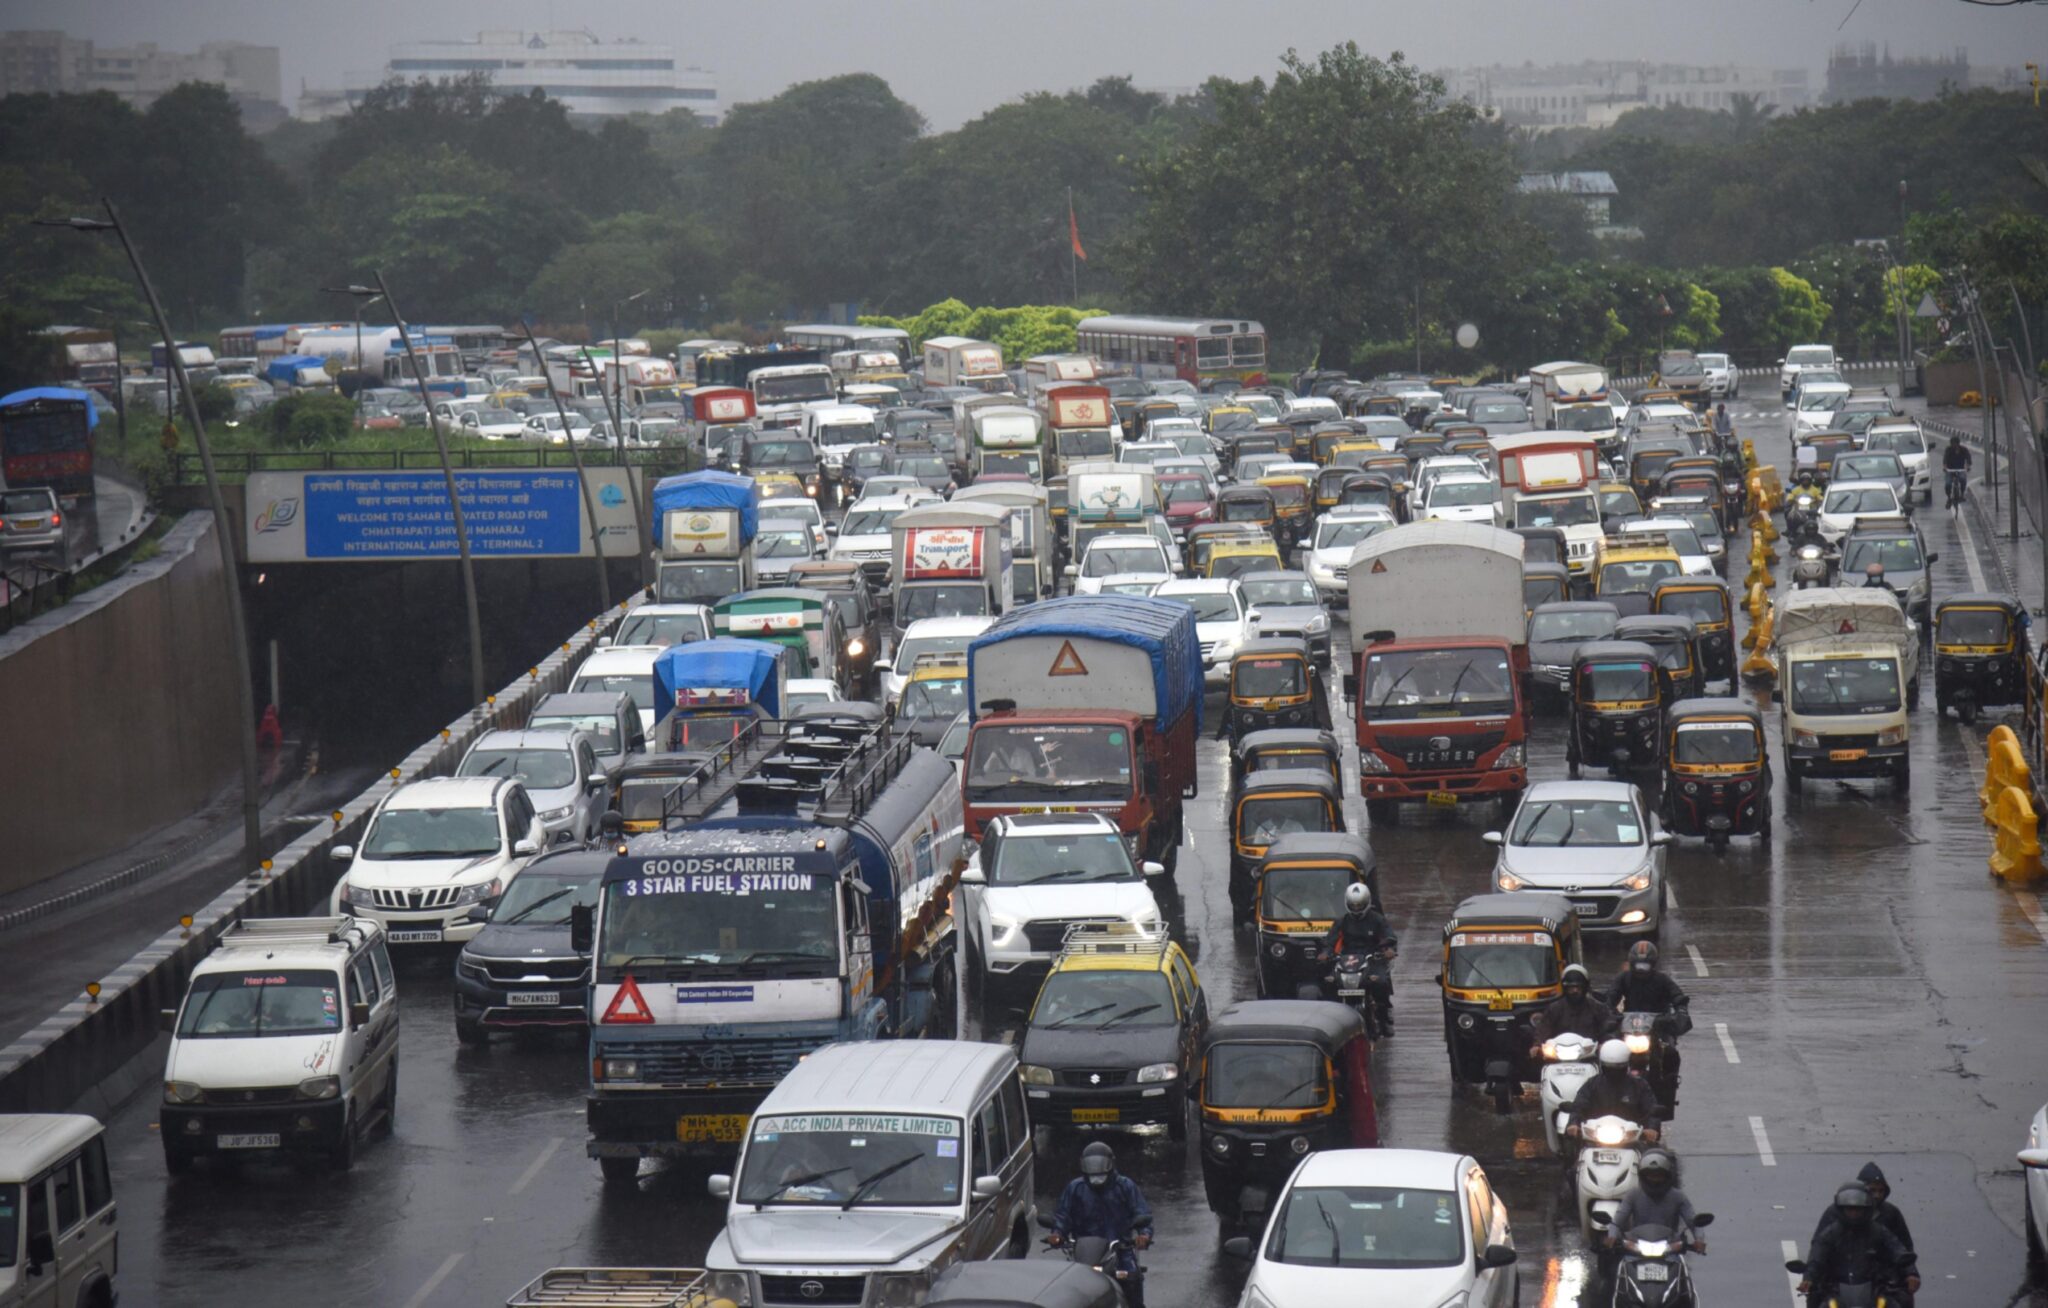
<point x="792" y="1183"/>
<point x="762" y="955"/>
<point x="1336" y="1241"/>
<point x="1289" y="905"/>
<point x="1128" y="1012"/>
<point x="875" y="1178"/>
<point x="1075" y="1017"/>
<point x="537" y="905"/>
<point x="1062" y="875"/>
<point x="1396" y="686"/>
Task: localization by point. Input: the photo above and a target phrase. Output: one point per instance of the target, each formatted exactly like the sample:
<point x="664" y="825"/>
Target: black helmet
<point x="1852" y="1201"/>
<point x="1098" y="1163"/>
<point x="1642" y="956"/>
<point x="1656" y="1173"/>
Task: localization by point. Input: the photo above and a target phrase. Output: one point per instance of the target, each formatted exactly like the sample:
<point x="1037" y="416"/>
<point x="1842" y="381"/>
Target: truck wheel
<point x="1902" y="780"/>
<point x="1913" y="694"/>
<point x="619" y="1173"/>
<point x="1794" y="774"/>
<point x="343" y="1156"/>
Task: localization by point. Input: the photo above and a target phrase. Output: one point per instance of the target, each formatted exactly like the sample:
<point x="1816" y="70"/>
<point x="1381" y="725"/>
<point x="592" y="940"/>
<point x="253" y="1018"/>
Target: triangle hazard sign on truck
<point x="1378" y="566"/>
<point x="1067" y="663"/>
<point x="1848" y="627"/>
<point x="628" y="1005"/>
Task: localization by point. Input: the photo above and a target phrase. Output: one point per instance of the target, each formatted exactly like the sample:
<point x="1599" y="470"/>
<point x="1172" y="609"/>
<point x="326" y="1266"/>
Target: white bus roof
<point x="1140" y="324"/>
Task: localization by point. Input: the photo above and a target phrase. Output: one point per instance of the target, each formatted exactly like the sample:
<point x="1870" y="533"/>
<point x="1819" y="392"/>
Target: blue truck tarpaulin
<point x="710" y="489"/>
<point x="284" y="366"/>
<point x="1165" y="629"/>
<point x="722" y="663"/>
<point x="92" y="415"/>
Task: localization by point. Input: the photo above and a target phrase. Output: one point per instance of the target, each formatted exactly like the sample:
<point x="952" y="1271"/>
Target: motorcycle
<point x="1104" y="1256"/>
<point x="1650" y="1044"/>
<point x="1652" y="1271"/>
<point x="1365" y="984"/>
<point x="1567" y="1066"/>
<point x="1810" y="568"/>
<point x="1609" y="1153"/>
<point x="1856" y="1294"/>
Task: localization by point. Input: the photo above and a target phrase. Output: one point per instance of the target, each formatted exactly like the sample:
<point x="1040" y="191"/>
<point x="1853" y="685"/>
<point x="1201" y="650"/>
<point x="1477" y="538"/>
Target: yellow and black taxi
<point x="1504" y="955"/>
<point x="1627" y="565"/>
<point x="1114" y="1034"/>
<point x="1300" y="894"/>
<point x="1278" y="1080"/>
<point x="1717" y="771"/>
<point x="1707" y="602"/>
<point x="1242" y="556"/>
<point x="1980" y="648"/>
<point x="1273" y="683"/>
<point x="1267" y="805"/>
<point x="1617" y="704"/>
<point x="1285" y="747"/>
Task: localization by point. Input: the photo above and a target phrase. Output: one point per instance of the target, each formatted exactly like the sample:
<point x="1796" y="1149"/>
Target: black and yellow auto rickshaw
<point x="1707" y="602"/>
<point x="1697" y="478"/>
<point x="1543" y="545"/>
<point x="1717" y="771"/>
<point x="1371" y="488"/>
<point x="1647" y="461"/>
<point x="1273" y="683"/>
<point x="1260" y="440"/>
<point x="1268" y="805"/>
<point x="1980" y="644"/>
<point x="1422" y="445"/>
<point x="1617" y="704"/>
<point x="1676" y="640"/>
<point x="1147" y="412"/>
<point x="1247" y="506"/>
<point x="1543" y="583"/>
<point x="1503" y="957"/>
<point x="1279" y="1079"/>
<point x="1285" y="747"/>
<point x="645" y="784"/>
<point x="1391" y="406"/>
<point x="1394" y="467"/>
<point x="1300" y="886"/>
<point x="1329" y="486"/>
<point x="1324" y="439"/>
<point x="1293" y="507"/>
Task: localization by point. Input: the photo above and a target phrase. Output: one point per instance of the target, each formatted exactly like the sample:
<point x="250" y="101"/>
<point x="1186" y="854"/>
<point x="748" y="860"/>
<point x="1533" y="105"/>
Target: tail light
<point x="56" y="520"/>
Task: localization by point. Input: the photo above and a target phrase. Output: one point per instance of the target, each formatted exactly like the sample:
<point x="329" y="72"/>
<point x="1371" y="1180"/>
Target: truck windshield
<point x="793" y="390"/>
<point x="868" y="1160"/>
<point x="1092" y="442"/>
<point x="1026" y="763"/>
<point x="1566" y="511"/>
<point x="1266" y="1076"/>
<point x="1437" y="683"/>
<point x="720" y="919"/>
<point x="288" y="1001"/>
<point x="1834" y="686"/>
<point x="914" y="603"/>
<point x="1305" y="894"/>
<point x="689" y="583"/>
<point x="1585" y="417"/>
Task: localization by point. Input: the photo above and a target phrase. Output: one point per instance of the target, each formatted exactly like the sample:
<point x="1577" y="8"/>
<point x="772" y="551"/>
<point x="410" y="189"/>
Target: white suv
<point x="1037" y="874"/>
<point x="1798" y="359"/>
<point x="435" y="851"/>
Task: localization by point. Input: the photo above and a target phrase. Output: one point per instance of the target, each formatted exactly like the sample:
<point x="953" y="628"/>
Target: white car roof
<point x="1122" y="540"/>
<point x="1051" y="824"/>
<point x="621" y="659"/>
<point x="446" y="792"/>
<point x="1834" y="486"/>
<point x="1616" y="790"/>
<point x="1407" y="1169"/>
<point x="1197" y="586"/>
<point x="29" y="1142"/>
<point x="948" y="626"/>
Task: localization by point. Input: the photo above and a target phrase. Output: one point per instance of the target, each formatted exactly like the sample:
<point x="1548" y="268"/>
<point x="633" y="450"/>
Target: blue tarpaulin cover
<point x="723" y="663"/>
<point x="284" y="365"/>
<point x="92" y="415"/>
<point x="708" y="490"/>
<point x="1163" y="628"/>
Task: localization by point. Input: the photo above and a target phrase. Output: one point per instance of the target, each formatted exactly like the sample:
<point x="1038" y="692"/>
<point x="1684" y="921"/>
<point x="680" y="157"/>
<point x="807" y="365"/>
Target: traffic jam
<point x="1128" y="825"/>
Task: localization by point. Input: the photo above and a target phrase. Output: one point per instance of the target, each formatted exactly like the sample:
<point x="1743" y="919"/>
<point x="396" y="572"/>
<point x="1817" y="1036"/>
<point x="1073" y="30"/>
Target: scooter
<point x="1567" y="1066"/>
<point x="1609" y="1152"/>
<point x="1810" y="568"/>
<point x="1105" y="1256"/>
<point x="1650" y="1043"/>
<point x="1859" y="1294"/>
<point x="1651" y="1270"/>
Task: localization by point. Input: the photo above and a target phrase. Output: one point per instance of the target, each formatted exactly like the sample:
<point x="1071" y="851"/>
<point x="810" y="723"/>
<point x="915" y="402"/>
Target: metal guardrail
<point x="237" y="465"/>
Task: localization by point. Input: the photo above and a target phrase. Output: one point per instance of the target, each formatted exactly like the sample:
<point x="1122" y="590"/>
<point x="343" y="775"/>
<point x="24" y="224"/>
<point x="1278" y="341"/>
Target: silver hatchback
<point x="32" y="522"/>
<point x="1595" y="842"/>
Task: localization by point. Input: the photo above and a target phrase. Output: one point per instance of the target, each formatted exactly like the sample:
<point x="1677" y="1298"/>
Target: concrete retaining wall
<point x="120" y="710"/>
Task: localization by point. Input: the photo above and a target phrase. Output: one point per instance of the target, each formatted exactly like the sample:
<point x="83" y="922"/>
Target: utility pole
<point x="364" y="297"/>
<point x="604" y="583"/>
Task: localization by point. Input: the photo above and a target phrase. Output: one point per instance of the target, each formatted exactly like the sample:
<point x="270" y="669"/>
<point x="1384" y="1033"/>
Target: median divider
<point x="2005" y="767"/>
<point x="2016" y="842"/>
<point x="99" y="1036"/>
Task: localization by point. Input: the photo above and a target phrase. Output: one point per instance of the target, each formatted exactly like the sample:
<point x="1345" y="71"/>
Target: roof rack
<point x="833" y="769"/>
<point x="1116" y="939"/>
<point x="612" y="1287"/>
<point x="270" y="932"/>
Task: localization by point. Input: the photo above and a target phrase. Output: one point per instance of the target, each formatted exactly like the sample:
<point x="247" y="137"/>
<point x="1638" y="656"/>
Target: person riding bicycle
<point x="1955" y="465"/>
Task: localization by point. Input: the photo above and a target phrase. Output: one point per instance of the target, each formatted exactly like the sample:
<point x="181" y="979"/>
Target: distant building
<point x="592" y="78"/>
<point x="53" y="62"/>
<point x="1595" y="190"/>
<point x="1594" y="94"/>
<point x="1867" y="73"/>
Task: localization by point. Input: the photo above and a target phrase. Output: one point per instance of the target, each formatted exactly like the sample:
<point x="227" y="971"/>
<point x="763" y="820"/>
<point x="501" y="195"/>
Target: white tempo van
<point x="287" y="1041"/>
<point x="59" y="1240"/>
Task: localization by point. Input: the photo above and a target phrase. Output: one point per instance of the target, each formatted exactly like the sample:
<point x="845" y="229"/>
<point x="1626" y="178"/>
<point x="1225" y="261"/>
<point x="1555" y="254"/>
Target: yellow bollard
<point x="2016" y="849"/>
<point x="1748" y="454"/>
<point x="1758" y="666"/>
<point x="2004" y="766"/>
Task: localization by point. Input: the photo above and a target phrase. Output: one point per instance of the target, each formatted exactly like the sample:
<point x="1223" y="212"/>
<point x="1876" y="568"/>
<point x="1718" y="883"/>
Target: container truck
<point x="1441" y="641"/>
<point x="951" y="561"/>
<point x="91" y="358"/>
<point x="704" y="523"/>
<point x="1043" y="370"/>
<point x="708" y="693"/>
<point x="1552" y="479"/>
<point x="1006" y="438"/>
<point x="298" y="372"/>
<point x="1107" y="499"/>
<point x="1568" y="396"/>
<point x="1088" y="703"/>
<point x="1031" y="539"/>
<point x="1083" y="423"/>
<point x="961" y="361"/>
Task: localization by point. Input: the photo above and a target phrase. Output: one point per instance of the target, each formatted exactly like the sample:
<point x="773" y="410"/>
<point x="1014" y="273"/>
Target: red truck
<point x="1441" y="639"/>
<point x="1088" y="703"/>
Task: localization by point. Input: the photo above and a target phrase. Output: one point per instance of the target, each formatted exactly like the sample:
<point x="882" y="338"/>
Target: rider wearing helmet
<point x="1656" y="1201"/>
<point x="1578" y="1011"/>
<point x="1104" y="1203"/>
<point x="1363" y="930"/>
<point x="1856" y="1250"/>
<point x="1643" y="988"/>
<point x="1884" y="1212"/>
<point x="1616" y="1091"/>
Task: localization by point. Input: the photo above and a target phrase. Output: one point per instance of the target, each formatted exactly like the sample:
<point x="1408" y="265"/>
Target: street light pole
<point x="238" y="630"/>
<point x="419" y="376"/>
<point x="364" y="297"/>
<point x="604" y="583"/>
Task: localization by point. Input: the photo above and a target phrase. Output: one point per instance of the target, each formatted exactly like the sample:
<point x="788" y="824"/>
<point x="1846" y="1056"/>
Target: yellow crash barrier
<point x="1764" y="489"/>
<point x="1758" y="666"/>
<point x="1748" y="455"/>
<point x="2004" y="766"/>
<point x="1763" y="525"/>
<point x="2016" y="846"/>
<point x="1760" y="560"/>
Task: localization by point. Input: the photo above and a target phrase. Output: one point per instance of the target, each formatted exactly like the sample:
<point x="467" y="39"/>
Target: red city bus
<point x="1192" y="349"/>
<point x="46" y="439"/>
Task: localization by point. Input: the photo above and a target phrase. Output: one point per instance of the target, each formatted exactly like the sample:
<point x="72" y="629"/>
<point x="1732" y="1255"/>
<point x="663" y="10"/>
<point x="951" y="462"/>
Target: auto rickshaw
<point x="1259" y="440"/>
<point x="1676" y="640"/>
<point x="1697" y="479"/>
<point x="1329" y="486"/>
<point x="642" y="786"/>
<point x="1268" y="805"/>
<point x="1278" y="1079"/>
<point x="1146" y="412"/>
<point x="1273" y="683"/>
<point x="1420" y="446"/>
<point x="1543" y="545"/>
<point x="1543" y="583"/>
<point x="1391" y="465"/>
<point x="1617" y="704"/>
<point x="1370" y="488"/>
<point x="1300" y="887"/>
<point x="1503" y="956"/>
<point x="1387" y="405"/>
<point x="1980" y="645"/>
<point x="1717" y="771"/>
<point x="1241" y="557"/>
<point x="1247" y="506"/>
<point x="1823" y="447"/>
<point x="1647" y="464"/>
<point x="1293" y="507"/>
<point x="1706" y="601"/>
<point x="1284" y="747"/>
<point x="1325" y="438"/>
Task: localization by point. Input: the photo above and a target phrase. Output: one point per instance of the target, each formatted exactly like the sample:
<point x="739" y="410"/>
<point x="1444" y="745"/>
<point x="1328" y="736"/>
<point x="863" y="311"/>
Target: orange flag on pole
<point x="1074" y="229"/>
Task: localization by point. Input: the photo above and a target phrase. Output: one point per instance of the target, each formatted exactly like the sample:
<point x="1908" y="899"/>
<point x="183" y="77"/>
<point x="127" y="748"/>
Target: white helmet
<point x="1613" y="1053"/>
<point x="1357" y="897"/>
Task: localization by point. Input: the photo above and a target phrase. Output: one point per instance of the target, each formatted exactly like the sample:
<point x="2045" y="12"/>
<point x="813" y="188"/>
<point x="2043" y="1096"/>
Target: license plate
<point x="1500" y="1004"/>
<point x="1351" y="994"/>
<point x="1847" y="755"/>
<point x="1586" y="910"/>
<point x="270" y="1140"/>
<point x="534" y="998"/>
<point x="1048" y="808"/>
<point x="1652" y="1272"/>
<point x="1607" y="1157"/>
<point x="1442" y="798"/>
<point x="1098" y="1115"/>
<point x="719" y="1128"/>
<point x="413" y="937"/>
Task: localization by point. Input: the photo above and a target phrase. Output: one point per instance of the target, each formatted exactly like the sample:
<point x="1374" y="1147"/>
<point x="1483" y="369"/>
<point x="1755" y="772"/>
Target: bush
<point x="310" y="418"/>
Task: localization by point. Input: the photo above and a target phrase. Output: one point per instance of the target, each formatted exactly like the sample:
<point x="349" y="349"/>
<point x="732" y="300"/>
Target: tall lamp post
<point x="364" y="297"/>
<point x="238" y="629"/>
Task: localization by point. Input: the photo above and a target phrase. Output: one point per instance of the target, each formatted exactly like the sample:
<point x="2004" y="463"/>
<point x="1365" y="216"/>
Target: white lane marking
<point x="1728" y="1046"/>
<point x="1670" y="899"/>
<point x="434" y="1281"/>
<point x="533" y="1170"/>
<point x="1699" y="964"/>
<point x="1970" y="551"/>
<point x="1976" y="749"/>
<point x="2030" y="904"/>
<point x="1763" y="1142"/>
<point x="1791" y="1251"/>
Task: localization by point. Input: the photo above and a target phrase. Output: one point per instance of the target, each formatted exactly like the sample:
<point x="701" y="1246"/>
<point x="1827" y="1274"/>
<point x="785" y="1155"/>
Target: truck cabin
<point x="1072" y="757"/>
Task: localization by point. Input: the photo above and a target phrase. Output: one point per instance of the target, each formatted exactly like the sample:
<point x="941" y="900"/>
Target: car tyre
<point x="470" y="1031"/>
<point x="1382" y="812"/>
<point x="343" y="1156"/>
<point x="1177" y="1123"/>
<point x="619" y="1173"/>
<point x="390" y="1104"/>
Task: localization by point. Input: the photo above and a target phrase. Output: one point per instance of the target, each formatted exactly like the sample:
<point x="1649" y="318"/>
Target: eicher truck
<point x="704" y="523"/>
<point x="961" y="361"/>
<point x="951" y="561"/>
<point x="1566" y="396"/>
<point x="1087" y="703"/>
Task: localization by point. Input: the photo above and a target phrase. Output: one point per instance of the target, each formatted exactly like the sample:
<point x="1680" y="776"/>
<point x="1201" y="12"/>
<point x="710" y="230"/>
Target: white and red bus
<point x="1192" y="349"/>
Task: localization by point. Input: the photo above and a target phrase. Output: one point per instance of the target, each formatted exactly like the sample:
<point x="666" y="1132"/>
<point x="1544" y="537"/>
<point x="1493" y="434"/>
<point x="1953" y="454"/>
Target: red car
<point x="1188" y="501"/>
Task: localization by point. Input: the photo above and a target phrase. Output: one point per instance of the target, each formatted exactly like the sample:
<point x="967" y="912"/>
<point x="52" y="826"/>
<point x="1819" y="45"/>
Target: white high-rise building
<point x="593" y="78"/>
<point x="1594" y="94"/>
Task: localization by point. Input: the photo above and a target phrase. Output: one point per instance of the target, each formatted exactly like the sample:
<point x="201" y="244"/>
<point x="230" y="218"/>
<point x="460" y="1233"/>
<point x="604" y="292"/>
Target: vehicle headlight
<point x="1611" y="1133"/>
<point x="1034" y="1075"/>
<point x="557" y="814"/>
<point x="182" y="1092"/>
<point x="478" y="894"/>
<point x="1371" y="763"/>
<point x="1892" y="736"/>
<point x="856" y="647"/>
<point x="1002" y="928"/>
<point x="1507" y="880"/>
<point x="1299" y="1144"/>
<point x="733" y="1287"/>
<point x="320" y="1087"/>
<point x="1156" y="1072"/>
<point x="1319" y="624"/>
<point x="620" y="1069"/>
<point x="901" y="1289"/>
<point x="1806" y="739"/>
<point x="1640" y="881"/>
<point x="1514" y="756"/>
<point x="1219" y="1144"/>
<point x="1637" y="1042"/>
<point x="1465" y="1021"/>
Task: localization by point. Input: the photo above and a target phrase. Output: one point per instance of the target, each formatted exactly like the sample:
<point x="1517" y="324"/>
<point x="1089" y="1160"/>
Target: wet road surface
<point x="1862" y="988"/>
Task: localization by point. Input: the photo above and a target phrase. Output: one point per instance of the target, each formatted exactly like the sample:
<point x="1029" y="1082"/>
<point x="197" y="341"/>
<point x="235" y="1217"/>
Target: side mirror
<point x="2033" y="1157"/>
<point x="342" y="853"/>
<point x="1071" y="570"/>
<point x="1044" y="1220"/>
<point x="1777" y="695"/>
<point x="718" y="1185"/>
<point x="597" y="781"/>
<point x="884" y="665"/>
<point x="1239" y="1247"/>
<point x="42" y="1250"/>
<point x="973" y="875"/>
<point x="524" y="848"/>
<point x="1702" y="1219"/>
<point x="1662" y="838"/>
<point x="1497" y="1255"/>
<point x="358" y="1015"/>
<point x="582" y="928"/>
<point x="1934" y="557"/>
<point x="1151" y="869"/>
<point x="603" y="641"/>
<point x="1492" y="837"/>
<point x="1796" y="1266"/>
<point x="167" y="1020"/>
<point x="987" y="1187"/>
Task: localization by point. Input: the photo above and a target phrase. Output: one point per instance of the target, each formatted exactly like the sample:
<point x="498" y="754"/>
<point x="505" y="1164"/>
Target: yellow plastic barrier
<point x="2016" y="848"/>
<point x="1765" y="488"/>
<point x="1760" y="560"/>
<point x="1758" y="666"/>
<point x="1762" y="524"/>
<point x="2005" y="766"/>
<point x="1757" y="600"/>
<point x="1748" y="455"/>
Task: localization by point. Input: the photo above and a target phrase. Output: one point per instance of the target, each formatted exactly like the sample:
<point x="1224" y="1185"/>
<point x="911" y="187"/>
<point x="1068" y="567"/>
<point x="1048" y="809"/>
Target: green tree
<point x="1021" y="331"/>
<point x="1799" y="313"/>
<point x="672" y="258"/>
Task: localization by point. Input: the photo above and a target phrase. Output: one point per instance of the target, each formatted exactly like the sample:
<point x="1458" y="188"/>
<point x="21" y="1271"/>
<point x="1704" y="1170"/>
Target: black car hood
<point x="521" y="940"/>
<point x="1120" y="1046"/>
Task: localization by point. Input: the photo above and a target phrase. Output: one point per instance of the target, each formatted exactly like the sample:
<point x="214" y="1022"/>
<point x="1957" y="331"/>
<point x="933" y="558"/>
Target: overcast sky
<point x="954" y="59"/>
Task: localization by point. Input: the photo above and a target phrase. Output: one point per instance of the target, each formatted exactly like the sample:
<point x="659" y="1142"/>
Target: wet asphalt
<point x="1862" y="989"/>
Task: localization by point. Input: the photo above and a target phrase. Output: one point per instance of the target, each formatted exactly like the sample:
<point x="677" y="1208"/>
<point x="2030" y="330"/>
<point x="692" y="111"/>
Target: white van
<point x="287" y="1042"/>
<point x="871" y="1167"/>
<point x="59" y="1239"/>
<point x="1848" y="665"/>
